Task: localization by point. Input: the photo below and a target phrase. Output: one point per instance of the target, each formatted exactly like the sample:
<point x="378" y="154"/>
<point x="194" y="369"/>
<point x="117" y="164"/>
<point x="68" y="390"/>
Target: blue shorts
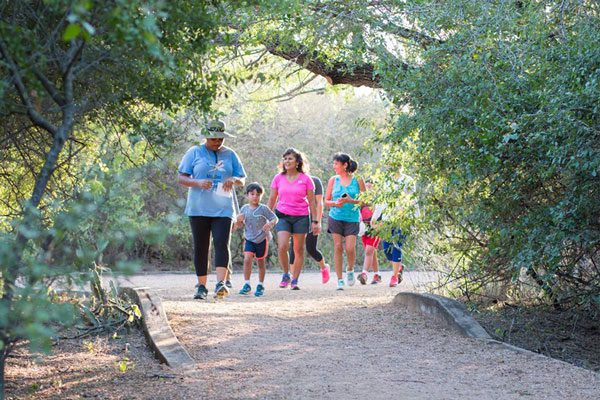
<point x="258" y="249"/>
<point x="393" y="250"/>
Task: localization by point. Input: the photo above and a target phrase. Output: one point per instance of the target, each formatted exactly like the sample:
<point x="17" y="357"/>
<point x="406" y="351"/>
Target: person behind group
<point x="311" y="238"/>
<point x="210" y="171"/>
<point x="343" y="190"/>
<point x="259" y="220"/>
<point x="293" y="199"/>
<point x="370" y="243"/>
<point x="392" y="245"/>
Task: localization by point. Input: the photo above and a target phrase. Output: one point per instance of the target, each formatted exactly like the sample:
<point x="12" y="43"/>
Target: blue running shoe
<point x="260" y="290"/>
<point x="294" y="285"/>
<point x="246" y="289"/>
<point x="350" y="278"/>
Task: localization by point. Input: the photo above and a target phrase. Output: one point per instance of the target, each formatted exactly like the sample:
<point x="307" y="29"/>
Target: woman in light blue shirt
<point x="210" y="171"/>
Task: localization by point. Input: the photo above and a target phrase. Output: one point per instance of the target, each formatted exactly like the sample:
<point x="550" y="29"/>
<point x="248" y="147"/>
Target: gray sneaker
<point x="221" y="290"/>
<point x="201" y="292"/>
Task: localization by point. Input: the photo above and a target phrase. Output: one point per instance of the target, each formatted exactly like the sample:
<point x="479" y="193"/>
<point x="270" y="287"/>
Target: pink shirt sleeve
<point x="275" y="181"/>
<point x="310" y="184"/>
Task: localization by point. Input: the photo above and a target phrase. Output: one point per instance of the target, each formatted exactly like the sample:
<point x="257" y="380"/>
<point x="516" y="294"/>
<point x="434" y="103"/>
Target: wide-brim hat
<point x="215" y="129"/>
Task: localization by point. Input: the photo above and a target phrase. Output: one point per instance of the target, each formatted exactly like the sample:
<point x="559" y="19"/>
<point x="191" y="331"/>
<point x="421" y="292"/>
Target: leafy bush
<point x="502" y="134"/>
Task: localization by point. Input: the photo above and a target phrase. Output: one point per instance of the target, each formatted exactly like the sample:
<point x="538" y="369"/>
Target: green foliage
<point x="86" y="89"/>
<point x="501" y="132"/>
<point x="63" y="255"/>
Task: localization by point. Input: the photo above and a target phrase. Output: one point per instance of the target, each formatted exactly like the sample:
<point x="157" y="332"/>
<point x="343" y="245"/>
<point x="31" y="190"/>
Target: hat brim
<point x="216" y="135"/>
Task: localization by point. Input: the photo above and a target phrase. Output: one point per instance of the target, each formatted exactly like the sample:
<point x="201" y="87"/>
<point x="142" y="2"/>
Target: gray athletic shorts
<point x="343" y="228"/>
<point x="292" y="223"/>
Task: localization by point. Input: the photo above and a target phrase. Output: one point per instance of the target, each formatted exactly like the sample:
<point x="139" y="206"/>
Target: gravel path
<point x="318" y="343"/>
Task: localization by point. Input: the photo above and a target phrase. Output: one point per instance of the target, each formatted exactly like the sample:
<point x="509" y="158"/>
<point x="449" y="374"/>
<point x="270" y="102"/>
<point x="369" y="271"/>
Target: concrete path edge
<point x="450" y="313"/>
<point x="158" y="332"/>
<point x="453" y="315"/>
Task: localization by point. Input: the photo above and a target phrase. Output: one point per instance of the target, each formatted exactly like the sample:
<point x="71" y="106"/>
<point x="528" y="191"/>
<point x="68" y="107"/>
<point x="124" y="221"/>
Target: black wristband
<point x="315" y="221"/>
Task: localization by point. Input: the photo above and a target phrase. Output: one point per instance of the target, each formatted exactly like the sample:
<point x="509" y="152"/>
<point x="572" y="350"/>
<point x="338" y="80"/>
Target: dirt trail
<point x="318" y="343"/>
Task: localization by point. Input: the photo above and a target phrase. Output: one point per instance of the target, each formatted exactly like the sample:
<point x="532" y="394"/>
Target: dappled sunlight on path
<point x="321" y="343"/>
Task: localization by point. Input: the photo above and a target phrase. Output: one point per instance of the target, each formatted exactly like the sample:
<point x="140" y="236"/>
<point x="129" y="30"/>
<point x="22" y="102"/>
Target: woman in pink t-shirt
<point x="293" y="200"/>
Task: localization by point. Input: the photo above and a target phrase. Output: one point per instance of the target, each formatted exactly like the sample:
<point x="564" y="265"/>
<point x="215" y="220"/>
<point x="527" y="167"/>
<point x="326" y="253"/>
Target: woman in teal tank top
<point x="342" y="196"/>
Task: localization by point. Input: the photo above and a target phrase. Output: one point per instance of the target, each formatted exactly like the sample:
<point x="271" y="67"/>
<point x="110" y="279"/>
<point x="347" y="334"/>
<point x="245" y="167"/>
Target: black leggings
<point x="202" y="227"/>
<point x="311" y="248"/>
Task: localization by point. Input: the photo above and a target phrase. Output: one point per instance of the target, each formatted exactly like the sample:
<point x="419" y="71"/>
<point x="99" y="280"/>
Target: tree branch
<point x="63" y="132"/>
<point x="338" y="73"/>
<point x="294" y="92"/>
<point x="50" y="88"/>
<point x="35" y="117"/>
<point x="72" y="56"/>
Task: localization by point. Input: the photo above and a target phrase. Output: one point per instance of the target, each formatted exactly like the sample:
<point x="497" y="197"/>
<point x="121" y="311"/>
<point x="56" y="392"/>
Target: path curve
<point x="318" y="343"/>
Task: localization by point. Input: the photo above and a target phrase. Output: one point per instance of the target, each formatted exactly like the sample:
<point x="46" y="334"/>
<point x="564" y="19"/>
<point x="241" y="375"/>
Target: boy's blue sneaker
<point x="260" y="290"/>
<point x="246" y="289"/>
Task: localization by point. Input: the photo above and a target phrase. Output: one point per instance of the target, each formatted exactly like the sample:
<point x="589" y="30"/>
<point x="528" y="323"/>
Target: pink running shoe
<point x="362" y="278"/>
<point x="285" y="281"/>
<point x="376" y="279"/>
<point x="325" y="274"/>
<point x="394" y="281"/>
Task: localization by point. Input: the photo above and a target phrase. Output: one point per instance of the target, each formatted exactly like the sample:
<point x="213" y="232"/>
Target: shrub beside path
<point x="318" y="343"/>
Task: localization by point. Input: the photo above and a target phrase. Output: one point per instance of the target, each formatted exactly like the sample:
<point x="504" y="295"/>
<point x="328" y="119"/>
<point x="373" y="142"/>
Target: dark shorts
<point x="393" y="249"/>
<point x="258" y="249"/>
<point x="292" y="223"/>
<point x="343" y="228"/>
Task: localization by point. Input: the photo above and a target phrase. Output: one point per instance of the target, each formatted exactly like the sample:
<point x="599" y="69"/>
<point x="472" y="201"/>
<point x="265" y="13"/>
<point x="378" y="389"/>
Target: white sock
<point x="261" y="284"/>
<point x="248" y="282"/>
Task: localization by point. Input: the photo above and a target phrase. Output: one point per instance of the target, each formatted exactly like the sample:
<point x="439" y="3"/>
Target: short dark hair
<point x="254" y="186"/>
<point x="299" y="159"/>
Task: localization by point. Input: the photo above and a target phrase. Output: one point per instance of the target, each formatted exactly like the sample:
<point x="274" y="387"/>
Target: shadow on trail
<point x="319" y="343"/>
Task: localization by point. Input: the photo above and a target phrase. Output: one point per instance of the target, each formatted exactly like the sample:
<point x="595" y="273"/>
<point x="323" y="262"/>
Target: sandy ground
<point x="319" y="343"/>
<point x="316" y="343"/>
